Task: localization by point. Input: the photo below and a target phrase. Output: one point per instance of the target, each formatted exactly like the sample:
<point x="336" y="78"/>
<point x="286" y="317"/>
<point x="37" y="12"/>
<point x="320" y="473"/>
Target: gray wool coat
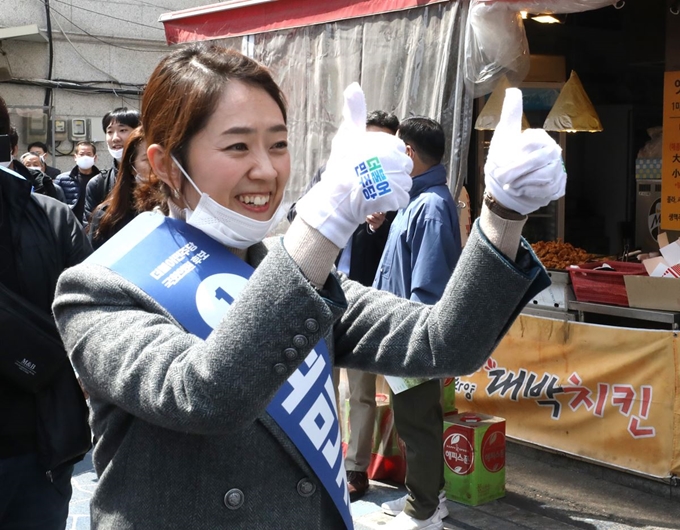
<point x="181" y="422"/>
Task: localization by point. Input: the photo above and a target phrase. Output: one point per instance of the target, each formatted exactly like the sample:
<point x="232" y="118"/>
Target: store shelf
<point x="651" y="315"/>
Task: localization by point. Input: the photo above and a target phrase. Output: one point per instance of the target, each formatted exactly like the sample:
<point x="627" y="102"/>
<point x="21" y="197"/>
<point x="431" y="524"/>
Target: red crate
<point x="603" y="287"/>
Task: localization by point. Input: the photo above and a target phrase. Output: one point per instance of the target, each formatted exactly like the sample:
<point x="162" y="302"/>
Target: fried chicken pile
<point x="559" y="255"/>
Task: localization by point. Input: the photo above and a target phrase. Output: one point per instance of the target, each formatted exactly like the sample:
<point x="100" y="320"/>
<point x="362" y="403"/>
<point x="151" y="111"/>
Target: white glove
<point x="524" y="169"/>
<point x="367" y="172"/>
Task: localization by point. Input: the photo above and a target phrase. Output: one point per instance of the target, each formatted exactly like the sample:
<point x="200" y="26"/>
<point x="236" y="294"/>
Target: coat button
<point x="311" y="325"/>
<point x="300" y="341"/>
<point x="290" y="353"/>
<point x="280" y="369"/>
<point x="234" y="499"/>
<point x="306" y="488"/>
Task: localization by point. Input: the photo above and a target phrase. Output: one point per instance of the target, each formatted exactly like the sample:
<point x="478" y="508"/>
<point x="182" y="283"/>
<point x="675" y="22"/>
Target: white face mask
<point x="116" y="153"/>
<point x="224" y="225"/>
<point x="138" y="176"/>
<point x="85" y="162"/>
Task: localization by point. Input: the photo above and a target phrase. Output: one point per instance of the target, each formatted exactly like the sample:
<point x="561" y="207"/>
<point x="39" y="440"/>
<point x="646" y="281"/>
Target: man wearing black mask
<point x="41" y="182"/>
<point x="41" y="149"/>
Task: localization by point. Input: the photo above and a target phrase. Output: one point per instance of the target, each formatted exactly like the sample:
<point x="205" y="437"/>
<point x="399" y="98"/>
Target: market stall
<point x="585" y="372"/>
<point x="577" y="373"/>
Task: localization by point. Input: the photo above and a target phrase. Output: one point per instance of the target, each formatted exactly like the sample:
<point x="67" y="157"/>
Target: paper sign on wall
<point x="670" y="165"/>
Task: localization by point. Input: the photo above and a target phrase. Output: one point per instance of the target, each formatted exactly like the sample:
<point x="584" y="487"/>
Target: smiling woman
<point x="225" y="155"/>
<point x="207" y="352"/>
<point x="239" y="160"/>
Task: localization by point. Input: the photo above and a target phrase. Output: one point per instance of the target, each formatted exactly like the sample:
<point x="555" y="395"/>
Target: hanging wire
<point x="82" y="56"/>
<point x="81" y="8"/>
<point x="50" y="49"/>
<point x="137" y="2"/>
<point x="76" y="87"/>
<point x="162" y="46"/>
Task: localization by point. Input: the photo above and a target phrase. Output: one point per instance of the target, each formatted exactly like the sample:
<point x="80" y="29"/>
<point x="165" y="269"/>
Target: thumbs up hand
<point x="367" y="172"/>
<point x="524" y="169"/>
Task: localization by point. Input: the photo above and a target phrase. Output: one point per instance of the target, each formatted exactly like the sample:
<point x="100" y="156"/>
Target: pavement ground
<point x="543" y="492"/>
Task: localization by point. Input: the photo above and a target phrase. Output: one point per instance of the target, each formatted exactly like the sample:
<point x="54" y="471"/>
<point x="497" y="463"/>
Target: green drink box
<point x="449" y="396"/>
<point x="474" y="458"/>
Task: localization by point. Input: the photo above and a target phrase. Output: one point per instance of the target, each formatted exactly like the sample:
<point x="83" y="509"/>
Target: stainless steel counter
<point x="549" y="313"/>
<point x="558" y="302"/>
<point x="652" y="315"/>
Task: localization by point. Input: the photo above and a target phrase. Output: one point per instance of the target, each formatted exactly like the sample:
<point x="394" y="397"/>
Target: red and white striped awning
<point x="245" y="17"/>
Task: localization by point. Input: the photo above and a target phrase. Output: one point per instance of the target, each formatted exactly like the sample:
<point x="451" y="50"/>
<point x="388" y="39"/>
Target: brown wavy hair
<point x="123" y="198"/>
<point x="184" y="91"/>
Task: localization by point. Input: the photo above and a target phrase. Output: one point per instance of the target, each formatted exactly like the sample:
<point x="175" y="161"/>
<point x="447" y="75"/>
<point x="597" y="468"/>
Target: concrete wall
<point x="132" y="42"/>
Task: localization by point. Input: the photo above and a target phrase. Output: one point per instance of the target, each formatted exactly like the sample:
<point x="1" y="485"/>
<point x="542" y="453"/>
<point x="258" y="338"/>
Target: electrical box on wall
<point x="95" y="132"/>
<point x="77" y="129"/>
<point x="60" y="133"/>
<point x="35" y="128"/>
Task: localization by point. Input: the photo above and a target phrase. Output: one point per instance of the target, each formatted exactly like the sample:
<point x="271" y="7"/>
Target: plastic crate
<point x="603" y="286"/>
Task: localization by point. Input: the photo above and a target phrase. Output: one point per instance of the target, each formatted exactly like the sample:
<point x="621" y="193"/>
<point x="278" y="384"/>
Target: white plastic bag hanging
<point x="495" y="45"/>
<point x="496" y="42"/>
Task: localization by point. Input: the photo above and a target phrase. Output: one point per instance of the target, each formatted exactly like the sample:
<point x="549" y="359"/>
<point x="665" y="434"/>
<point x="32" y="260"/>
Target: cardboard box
<point x="653" y="293"/>
<point x="474" y="458"/>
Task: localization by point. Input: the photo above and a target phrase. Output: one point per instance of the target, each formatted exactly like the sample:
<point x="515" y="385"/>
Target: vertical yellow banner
<point x="670" y="164"/>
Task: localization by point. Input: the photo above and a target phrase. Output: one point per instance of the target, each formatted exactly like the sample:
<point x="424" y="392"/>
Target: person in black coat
<point x="118" y="125"/>
<point x="127" y="198"/>
<point x="41" y="183"/>
<point x="43" y="418"/>
<point x="43" y="152"/>
<point x="33" y="168"/>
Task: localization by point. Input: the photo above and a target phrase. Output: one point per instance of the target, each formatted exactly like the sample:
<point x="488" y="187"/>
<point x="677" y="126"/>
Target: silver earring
<point x="175" y="193"/>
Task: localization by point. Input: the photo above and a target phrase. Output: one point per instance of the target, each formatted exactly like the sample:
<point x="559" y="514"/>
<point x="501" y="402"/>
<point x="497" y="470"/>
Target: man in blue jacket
<point x="423" y="247"/>
<point x="75" y="182"/>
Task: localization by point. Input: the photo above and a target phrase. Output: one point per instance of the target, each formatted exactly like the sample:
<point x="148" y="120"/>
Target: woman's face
<point x="240" y="158"/>
<point x="140" y="161"/>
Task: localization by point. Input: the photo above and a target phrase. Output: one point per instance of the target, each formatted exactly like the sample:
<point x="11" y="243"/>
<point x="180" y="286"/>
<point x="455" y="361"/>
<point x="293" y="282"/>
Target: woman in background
<point x="126" y="199"/>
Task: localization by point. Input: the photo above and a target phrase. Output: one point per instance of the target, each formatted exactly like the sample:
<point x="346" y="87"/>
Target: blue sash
<point x="195" y="279"/>
<point x="11" y="172"/>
